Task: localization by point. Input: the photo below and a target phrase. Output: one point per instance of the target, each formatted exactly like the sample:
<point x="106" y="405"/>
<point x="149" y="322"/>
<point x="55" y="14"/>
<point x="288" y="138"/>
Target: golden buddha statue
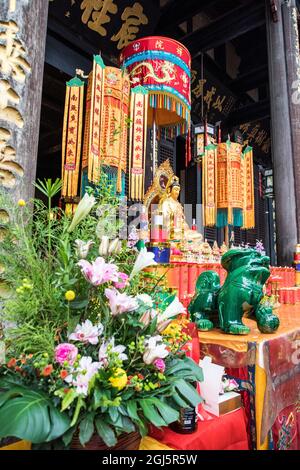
<point x="173" y="214"/>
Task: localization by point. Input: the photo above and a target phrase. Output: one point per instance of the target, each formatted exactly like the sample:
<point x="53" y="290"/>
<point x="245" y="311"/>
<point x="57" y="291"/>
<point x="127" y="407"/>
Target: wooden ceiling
<point x="202" y="25"/>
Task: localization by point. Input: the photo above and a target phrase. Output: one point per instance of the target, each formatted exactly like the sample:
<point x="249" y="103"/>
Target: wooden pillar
<point x="23" y="27"/>
<point x="284" y="181"/>
<point x="291" y="41"/>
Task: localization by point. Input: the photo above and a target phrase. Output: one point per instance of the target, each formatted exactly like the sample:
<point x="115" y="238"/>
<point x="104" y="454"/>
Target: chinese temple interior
<point x="230" y="88"/>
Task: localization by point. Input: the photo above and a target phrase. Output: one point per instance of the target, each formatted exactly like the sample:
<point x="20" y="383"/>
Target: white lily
<point x="103" y="248"/>
<point x="155" y="349"/>
<point x="82" y="248"/>
<point x="165" y="318"/>
<point x="114" y="246"/>
<point x="144" y="259"/>
<point x="83" y="209"/>
<point x="145" y="300"/>
<point x="175" y="308"/>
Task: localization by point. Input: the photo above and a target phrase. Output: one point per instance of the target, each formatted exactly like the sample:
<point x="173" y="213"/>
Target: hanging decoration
<point x="248" y="188"/>
<point x="204" y="135"/>
<point x="229" y="191"/>
<point x="72" y="137"/>
<point x="162" y="66"/>
<point x="228" y="186"/>
<point x="209" y="184"/>
<point x="92" y="129"/>
<point x="106" y="125"/>
<point x="137" y="142"/>
<point x="86" y="136"/>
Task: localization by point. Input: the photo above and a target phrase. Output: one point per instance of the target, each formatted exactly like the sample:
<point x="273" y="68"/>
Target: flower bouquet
<point x="94" y="346"/>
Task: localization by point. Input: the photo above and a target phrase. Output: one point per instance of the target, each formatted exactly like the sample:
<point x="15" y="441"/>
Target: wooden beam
<point x="250" y="80"/>
<point x="229" y="26"/>
<point x="250" y="112"/>
<point x="178" y="11"/>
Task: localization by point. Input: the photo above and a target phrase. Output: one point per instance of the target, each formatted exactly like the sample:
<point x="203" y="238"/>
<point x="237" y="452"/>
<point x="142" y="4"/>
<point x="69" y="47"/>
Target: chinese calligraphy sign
<point x="257" y="134"/>
<point x="96" y="14"/>
<point x="132" y="17"/>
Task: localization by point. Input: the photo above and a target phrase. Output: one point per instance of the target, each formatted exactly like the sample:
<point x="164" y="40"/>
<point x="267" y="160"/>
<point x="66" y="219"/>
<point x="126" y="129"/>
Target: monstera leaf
<point x="30" y="415"/>
<point x="185" y="368"/>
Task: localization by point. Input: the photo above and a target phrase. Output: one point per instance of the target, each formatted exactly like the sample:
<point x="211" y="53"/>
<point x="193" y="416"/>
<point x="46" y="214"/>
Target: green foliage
<point x="105" y="432"/>
<point x="48" y="188"/>
<point x="30" y="415"/>
<point x="125" y="392"/>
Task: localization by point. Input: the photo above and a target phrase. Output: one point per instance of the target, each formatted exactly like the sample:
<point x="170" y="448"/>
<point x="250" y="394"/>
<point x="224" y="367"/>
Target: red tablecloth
<point x="228" y="432"/>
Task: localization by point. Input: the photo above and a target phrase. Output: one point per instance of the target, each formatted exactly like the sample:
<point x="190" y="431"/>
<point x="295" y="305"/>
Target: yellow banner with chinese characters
<point x="72" y="137"/>
<point x="209" y="184"/>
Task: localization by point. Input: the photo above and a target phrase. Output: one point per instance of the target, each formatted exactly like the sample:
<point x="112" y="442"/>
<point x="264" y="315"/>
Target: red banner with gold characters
<point x="162" y="66"/>
<point x="72" y="137"/>
<point x="137" y="142"/>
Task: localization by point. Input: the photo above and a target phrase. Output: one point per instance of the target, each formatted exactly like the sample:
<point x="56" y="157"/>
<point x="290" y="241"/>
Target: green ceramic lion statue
<point x="247" y="272"/>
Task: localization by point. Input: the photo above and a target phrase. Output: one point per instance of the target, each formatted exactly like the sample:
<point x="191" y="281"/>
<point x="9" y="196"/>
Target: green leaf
<point x="30" y="415"/>
<point x="143" y="428"/>
<point x="188" y="392"/>
<point x="73" y="322"/>
<point x="68" y="436"/>
<point x="127" y="424"/>
<point x="133" y="414"/>
<point x="179" y="400"/>
<point x="153" y="326"/>
<point x="77" y="305"/>
<point x="98" y="396"/>
<point x="80" y="404"/>
<point x="9" y="381"/>
<point x="151" y="413"/>
<point x="86" y="429"/>
<point x="114" y="413"/>
<point x="48" y="188"/>
<point x="187" y="367"/>
<point x="132" y="410"/>
<point x="169" y="414"/>
<point x="68" y="399"/>
<point x="105" y="432"/>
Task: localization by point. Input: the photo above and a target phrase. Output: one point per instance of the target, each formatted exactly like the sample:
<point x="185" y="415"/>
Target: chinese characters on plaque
<point x="211" y="97"/>
<point x="97" y="13"/>
<point x="116" y="22"/>
<point x="257" y="135"/>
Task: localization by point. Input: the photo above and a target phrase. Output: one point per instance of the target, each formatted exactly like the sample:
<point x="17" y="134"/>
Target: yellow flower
<point x="70" y="295"/>
<point x="119" y="379"/>
<point x="21" y="203"/>
<point x="172" y="330"/>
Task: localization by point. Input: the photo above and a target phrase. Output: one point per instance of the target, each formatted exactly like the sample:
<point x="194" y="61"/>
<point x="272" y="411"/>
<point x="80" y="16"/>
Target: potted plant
<point x="93" y="351"/>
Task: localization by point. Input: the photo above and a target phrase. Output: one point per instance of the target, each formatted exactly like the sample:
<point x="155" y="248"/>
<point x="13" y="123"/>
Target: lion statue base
<point x="241" y="294"/>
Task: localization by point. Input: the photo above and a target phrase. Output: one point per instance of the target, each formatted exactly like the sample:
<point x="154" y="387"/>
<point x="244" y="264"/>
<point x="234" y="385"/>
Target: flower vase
<point x="130" y="441"/>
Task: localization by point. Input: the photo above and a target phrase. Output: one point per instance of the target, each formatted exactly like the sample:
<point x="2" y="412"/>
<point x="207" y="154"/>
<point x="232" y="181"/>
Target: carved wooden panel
<point x="23" y="26"/>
